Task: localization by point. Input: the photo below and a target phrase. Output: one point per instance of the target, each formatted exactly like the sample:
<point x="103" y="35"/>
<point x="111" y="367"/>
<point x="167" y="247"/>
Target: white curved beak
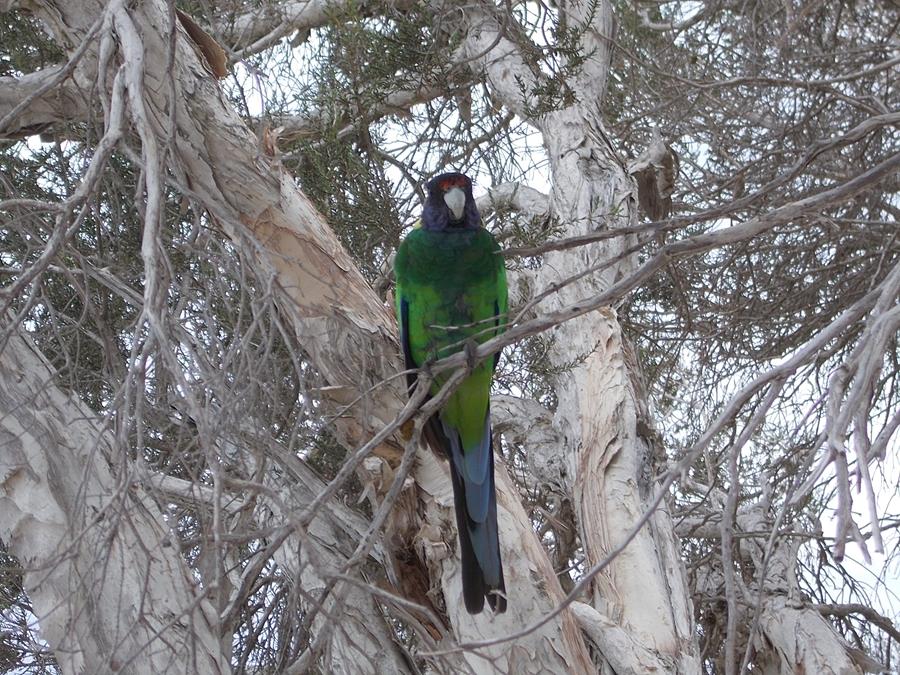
<point x="455" y="199"/>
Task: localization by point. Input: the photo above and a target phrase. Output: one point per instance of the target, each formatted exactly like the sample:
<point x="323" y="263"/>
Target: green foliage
<point x="26" y="45"/>
<point x="354" y="194"/>
<point x="360" y="63"/>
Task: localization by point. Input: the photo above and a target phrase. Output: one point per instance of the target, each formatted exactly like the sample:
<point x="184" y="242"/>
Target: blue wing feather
<point x="411" y="378"/>
<point x="477" y="470"/>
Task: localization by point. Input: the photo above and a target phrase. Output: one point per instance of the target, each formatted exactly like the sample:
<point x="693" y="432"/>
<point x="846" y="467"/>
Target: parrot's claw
<point x="471" y="350"/>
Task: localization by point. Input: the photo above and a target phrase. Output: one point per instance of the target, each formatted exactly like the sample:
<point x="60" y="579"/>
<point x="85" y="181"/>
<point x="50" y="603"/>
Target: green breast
<point x="452" y="282"/>
<point x="448" y="260"/>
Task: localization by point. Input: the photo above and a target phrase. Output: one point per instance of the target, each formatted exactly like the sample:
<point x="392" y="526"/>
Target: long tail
<point x="475" y="499"/>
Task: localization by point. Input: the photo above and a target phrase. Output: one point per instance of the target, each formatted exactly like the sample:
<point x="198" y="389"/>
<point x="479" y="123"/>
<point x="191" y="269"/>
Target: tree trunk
<point x="110" y="590"/>
<point x="609" y="469"/>
<point x="605" y="469"/>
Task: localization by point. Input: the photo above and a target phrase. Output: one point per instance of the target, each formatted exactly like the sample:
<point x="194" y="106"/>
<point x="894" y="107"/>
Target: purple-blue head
<point x="450" y="203"/>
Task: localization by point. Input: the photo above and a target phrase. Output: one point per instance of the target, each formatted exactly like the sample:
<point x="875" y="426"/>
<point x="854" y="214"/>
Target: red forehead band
<point x="449" y="183"/>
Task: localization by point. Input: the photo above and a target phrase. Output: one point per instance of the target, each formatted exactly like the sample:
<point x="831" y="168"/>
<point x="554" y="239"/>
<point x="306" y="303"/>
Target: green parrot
<point x="451" y="290"/>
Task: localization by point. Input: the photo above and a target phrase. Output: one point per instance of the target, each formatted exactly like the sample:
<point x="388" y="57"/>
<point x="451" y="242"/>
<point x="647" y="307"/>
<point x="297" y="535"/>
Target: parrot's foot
<point x="471" y="350"/>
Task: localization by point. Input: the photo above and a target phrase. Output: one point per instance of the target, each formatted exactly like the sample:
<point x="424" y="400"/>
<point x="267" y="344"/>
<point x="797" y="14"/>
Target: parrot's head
<point x="450" y="203"/>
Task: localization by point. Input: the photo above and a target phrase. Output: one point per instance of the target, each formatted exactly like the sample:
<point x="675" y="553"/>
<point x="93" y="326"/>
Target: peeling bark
<point x="609" y="466"/>
<point x="799" y="640"/>
<point x="607" y="469"/>
<point x="110" y="590"/>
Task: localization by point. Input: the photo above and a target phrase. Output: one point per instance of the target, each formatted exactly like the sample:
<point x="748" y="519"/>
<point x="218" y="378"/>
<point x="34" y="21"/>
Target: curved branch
<point x="515" y="196"/>
<point x="486" y="48"/>
<point x="260" y="28"/>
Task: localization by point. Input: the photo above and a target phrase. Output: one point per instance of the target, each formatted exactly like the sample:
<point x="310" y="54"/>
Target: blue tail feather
<point x="475" y="500"/>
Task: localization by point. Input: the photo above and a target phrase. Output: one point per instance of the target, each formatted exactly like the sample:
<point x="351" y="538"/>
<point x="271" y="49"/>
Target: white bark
<point x="623" y="652"/>
<point x="263" y="26"/>
<point x="62" y="102"/>
<point x="606" y="470"/>
<point x="609" y="466"/>
<point x="529" y="424"/>
<point x="341" y="323"/>
<point x="798" y="640"/>
<point x="109" y="589"/>
<point x="607" y="474"/>
<point x="41" y="529"/>
<point x="792" y="638"/>
<point x="514" y="196"/>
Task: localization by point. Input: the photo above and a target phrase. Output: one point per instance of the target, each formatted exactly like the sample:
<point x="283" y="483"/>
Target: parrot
<point x="451" y="293"/>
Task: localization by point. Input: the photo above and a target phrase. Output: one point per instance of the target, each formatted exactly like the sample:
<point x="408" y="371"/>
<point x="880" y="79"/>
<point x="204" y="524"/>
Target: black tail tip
<point x="475" y="603"/>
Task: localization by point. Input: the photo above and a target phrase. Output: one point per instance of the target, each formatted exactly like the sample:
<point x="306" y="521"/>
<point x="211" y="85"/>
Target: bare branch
<point x="622" y="651"/>
<point x="399" y="102"/>
<point x="864" y="611"/>
<point x="89" y="546"/>
<point x="253" y="31"/>
<point x="515" y="196"/>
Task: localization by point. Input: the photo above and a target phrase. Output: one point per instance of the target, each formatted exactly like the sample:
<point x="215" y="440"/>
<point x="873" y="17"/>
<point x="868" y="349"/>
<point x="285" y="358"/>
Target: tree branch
<point x="31" y="104"/>
<point x="864" y="611"/>
<point x="515" y="196"/>
<point x="260" y="28"/>
<point x="311" y="125"/>
<point x="104" y="582"/>
<point x="486" y="49"/>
